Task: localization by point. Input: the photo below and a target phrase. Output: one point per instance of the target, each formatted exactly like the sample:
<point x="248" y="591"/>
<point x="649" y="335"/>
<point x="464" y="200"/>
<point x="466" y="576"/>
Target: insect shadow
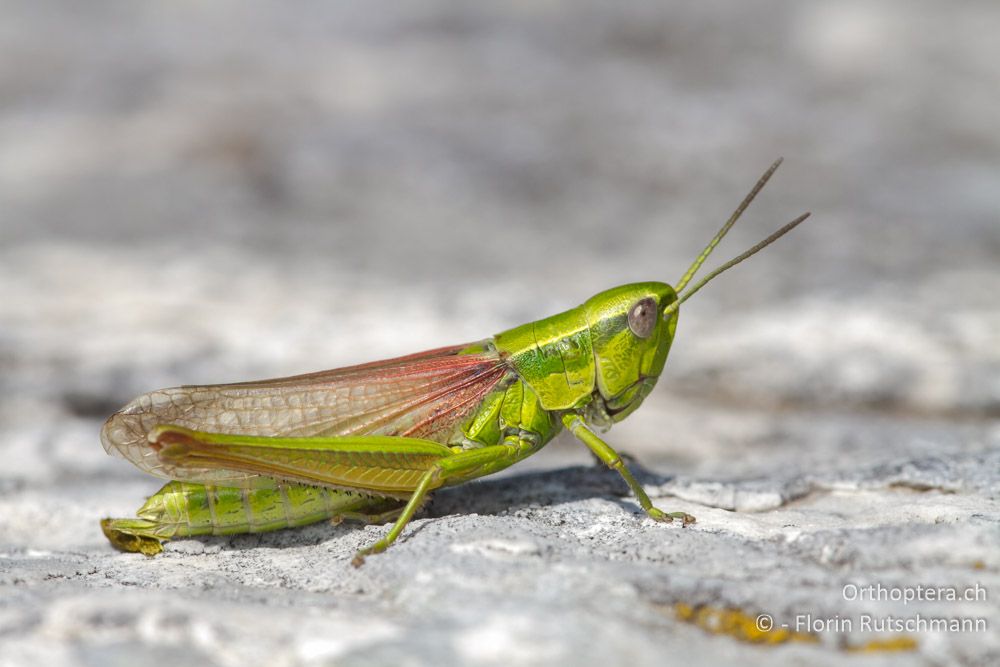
<point x="541" y="488"/>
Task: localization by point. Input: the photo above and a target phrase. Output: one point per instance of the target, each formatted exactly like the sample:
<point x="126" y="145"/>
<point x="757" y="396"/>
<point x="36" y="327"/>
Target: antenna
<point x="733" y="262"/>
<point x="686" y="278"/>
<point x="761" y="182"/>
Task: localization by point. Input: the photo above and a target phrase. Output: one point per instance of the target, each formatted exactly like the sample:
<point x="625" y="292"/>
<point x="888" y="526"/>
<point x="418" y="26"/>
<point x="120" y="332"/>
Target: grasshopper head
<point x="632" y="326"/>
<point x="630" y="338"/>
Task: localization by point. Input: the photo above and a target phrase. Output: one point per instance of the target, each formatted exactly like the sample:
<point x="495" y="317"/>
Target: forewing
<point x="424" y="395"/>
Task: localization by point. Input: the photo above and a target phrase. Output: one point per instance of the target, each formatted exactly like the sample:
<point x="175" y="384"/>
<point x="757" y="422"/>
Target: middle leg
<point x="464" y="464"/>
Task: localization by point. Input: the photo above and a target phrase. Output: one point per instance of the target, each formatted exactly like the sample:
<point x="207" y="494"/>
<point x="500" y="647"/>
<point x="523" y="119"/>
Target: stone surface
<point x="194" y="193"/>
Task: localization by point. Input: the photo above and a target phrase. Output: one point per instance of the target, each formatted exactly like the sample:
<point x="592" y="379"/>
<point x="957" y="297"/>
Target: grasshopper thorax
<point x="608" y="351"/>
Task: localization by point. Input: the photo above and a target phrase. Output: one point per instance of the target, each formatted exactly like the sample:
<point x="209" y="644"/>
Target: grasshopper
<point x="370" y="442"/>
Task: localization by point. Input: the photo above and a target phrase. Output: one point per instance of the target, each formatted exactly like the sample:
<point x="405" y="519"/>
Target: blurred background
<point x="209" y="192"/>
<point x="195" y="193"/>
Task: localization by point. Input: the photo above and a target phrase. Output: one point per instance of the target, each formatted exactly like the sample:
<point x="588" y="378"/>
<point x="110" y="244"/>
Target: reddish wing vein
<point x="424" y="395"/>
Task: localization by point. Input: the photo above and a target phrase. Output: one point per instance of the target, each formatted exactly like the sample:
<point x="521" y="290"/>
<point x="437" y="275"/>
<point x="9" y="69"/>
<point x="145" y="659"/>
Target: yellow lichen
<point x="898" y="643"/>
<point x="760" y="629"/>
<point x="739" y="625"/>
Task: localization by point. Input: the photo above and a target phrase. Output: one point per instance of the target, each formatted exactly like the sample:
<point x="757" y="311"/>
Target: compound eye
<point x="642" y="318"/>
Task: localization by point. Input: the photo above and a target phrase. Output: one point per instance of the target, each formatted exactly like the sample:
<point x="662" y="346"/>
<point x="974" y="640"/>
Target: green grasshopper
<point x="370" y="442"/>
